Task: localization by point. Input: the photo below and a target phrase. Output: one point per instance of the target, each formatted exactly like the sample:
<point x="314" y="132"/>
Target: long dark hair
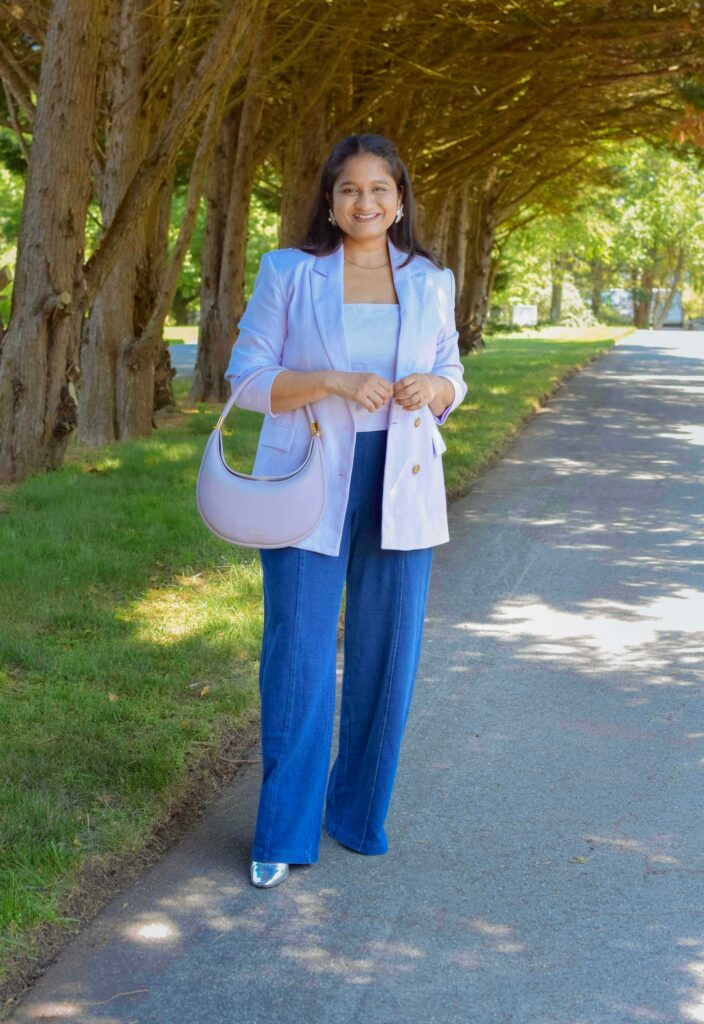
<point x="322" y="237"/>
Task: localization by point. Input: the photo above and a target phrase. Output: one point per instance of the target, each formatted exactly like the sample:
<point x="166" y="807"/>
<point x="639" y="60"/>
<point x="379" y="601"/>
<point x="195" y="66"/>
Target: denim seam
<point x="388" y="692"/>
<point x="289" y="704"/>
<point x="346" y="672"/>
<point x="352" y="525"/>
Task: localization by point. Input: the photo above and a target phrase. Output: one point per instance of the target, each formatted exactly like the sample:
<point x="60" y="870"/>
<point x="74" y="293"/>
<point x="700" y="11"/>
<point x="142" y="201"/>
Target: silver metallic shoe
<point x="265" y="874"/>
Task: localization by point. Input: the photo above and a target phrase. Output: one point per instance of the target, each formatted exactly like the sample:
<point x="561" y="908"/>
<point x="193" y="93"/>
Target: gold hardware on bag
<point x="219" y="423"/>
<point x="314" y="428"/>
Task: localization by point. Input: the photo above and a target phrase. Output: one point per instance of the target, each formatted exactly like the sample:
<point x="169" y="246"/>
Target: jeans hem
<point x="287" y="857"/>
<point x="368" y="849"/>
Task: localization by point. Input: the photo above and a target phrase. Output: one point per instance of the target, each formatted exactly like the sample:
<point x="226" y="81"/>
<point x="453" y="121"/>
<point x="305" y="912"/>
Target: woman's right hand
<point x="368" y="389"/>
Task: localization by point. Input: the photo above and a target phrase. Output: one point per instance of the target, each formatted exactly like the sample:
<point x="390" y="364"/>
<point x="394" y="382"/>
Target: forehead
<point x="364" y="167"/>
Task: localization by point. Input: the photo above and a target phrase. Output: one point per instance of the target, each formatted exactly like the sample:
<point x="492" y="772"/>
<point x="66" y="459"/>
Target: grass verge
<point x="130" y="643"/>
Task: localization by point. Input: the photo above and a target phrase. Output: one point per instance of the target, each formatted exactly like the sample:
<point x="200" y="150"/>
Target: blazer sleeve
<point x="260" y="342"/>
<point x="447" y="359"/>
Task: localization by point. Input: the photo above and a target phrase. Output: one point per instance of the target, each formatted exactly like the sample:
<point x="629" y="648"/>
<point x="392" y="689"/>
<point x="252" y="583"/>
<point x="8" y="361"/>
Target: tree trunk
<point x="40" y="350"/>
<point x="301" y="165"/>
<point x="462" y="229"/>
<point x="157" y="251"/>
<point x="642" y="292"/>
<point x="137" y="383"/>
<point x="149" y="344"/>
<point x="476" y="289"/>
<point x="447" y="236"/>
<point x="123" y="305"/>
<point x="597" y="278"/>
<point x="228" y="46"/>
<point x="225" y="245"/>
<point x="217" y="191"/>
<point x="432" y="218"/>
<point x="559" y="266"/>
<point x="660" y="314"/>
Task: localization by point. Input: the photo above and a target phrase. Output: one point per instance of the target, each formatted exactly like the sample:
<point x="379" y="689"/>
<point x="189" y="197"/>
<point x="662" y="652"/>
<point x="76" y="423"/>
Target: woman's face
<point x="365" y="197"/>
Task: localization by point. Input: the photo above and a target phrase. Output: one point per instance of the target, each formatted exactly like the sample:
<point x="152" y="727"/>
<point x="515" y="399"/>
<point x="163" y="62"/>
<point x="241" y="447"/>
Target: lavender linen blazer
<point x="294" y="321"/>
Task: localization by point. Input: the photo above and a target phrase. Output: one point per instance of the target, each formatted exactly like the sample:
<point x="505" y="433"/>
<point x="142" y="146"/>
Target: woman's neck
<point x="371" y="253"/>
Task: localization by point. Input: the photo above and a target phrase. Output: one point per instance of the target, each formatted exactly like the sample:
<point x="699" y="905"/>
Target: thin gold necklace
<point x="362" y="267"/>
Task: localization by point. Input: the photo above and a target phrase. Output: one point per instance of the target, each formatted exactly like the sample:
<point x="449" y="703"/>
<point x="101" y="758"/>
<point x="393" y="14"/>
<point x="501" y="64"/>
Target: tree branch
<point x="18" y="81"/>
<point x="230" y="38"/>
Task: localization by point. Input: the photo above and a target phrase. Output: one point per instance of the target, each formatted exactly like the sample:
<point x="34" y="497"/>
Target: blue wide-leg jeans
<point x="385" y="604"/>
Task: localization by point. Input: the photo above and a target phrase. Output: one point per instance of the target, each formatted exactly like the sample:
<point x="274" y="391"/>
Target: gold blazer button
<point x="416" y="422"/>
<point x="416" y="469"/>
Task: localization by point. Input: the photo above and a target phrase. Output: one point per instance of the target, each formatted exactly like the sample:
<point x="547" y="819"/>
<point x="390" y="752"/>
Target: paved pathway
<point x="183" y="359"/>
<point x="547" y="855"/>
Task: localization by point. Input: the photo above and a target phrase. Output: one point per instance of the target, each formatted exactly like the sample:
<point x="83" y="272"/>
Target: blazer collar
<point x="327" y="284"/>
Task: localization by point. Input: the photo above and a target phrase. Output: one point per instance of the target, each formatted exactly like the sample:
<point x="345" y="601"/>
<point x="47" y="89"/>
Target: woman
<point x="359" y="323"/>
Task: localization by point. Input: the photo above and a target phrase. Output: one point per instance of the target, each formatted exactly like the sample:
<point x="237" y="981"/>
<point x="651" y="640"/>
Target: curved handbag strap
<point x="313" y="423"/>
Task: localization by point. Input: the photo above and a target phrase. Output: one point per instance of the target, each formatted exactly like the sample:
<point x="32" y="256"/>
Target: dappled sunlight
<point x="689" y="383"/>
<point x="174" y="451"/>
<point x="605" y="634"/>
<point x="692" y="1007"/>
<point x="55" y="1010"/>
<point x="654" y="850"/>
<point x="92" y="461"/>
<point x="152" y="931"/>
<point x="592" y="527"/>
<point x="299" y="923"/>
<point x="501" y="936"/>
<point x="572" y="467"/>
<point x="223" y="602"/>
<point x="542" y="840"/>
<point x="317" y="959"/>
<point x="686" y="432"/>
<point x="89" y="1011"/>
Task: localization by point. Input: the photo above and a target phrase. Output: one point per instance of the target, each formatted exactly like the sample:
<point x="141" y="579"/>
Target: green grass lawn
<point x="130" y="635"/>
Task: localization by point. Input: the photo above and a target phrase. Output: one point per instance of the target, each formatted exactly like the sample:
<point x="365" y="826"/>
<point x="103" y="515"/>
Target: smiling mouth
<point x="365" y="216"/>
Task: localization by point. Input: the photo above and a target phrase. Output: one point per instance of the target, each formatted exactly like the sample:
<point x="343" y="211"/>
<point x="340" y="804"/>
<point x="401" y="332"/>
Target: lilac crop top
<point x="371" y="332"/>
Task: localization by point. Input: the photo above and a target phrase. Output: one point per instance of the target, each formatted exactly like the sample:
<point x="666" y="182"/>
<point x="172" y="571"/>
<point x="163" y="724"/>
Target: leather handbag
<point x="260" y="511"/>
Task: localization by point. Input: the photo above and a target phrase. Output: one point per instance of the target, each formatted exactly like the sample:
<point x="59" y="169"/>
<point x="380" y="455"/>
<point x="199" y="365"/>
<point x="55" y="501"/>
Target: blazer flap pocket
<point x="439" y="445"/>
<point x="277" y="435"/>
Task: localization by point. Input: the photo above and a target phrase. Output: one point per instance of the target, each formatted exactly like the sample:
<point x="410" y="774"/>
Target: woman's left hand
<point x="415" y="391"/>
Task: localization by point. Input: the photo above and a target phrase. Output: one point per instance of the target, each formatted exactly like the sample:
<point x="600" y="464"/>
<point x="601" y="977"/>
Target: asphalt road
<point x="546" y="861"/>
<point x="183" y="359"/>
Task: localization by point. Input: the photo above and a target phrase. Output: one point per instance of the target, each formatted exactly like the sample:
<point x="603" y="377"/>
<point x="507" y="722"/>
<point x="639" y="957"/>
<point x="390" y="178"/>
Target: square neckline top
<point x="371" y="334"/>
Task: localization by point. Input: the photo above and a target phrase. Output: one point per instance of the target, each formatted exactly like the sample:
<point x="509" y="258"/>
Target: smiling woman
<point x="358" y="321"/>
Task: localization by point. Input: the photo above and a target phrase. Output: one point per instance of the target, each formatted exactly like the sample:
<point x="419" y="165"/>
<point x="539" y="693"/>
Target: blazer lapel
<point x="326" y="283"/>
<point x="409" y="282"/>
<point x="327" y="295"/>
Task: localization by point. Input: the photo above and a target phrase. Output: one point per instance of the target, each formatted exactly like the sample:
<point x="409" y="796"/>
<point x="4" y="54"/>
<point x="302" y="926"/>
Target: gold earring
<point x="399" y="214"/>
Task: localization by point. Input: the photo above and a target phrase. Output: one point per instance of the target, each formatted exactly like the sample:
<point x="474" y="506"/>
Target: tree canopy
<point x="497" y="106"/>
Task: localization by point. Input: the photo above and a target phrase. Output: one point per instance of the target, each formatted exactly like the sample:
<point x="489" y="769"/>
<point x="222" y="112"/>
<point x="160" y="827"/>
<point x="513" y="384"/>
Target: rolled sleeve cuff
<point x="256" y="395"/>
<point x="459" y="395"/>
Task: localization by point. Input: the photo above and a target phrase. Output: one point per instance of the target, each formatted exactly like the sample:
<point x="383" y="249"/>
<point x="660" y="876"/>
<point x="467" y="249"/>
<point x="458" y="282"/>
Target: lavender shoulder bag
<point x="260" y="511"/>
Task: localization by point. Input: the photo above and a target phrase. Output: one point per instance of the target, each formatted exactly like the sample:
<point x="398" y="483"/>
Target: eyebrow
<point x="377" y="181"/>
